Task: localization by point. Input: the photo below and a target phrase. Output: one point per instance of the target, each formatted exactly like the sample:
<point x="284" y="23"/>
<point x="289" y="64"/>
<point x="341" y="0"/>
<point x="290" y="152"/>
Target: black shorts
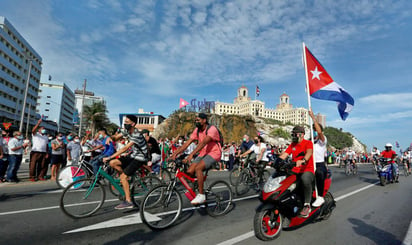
<point x="56" y="159"/>
<point x="130" y="165"/>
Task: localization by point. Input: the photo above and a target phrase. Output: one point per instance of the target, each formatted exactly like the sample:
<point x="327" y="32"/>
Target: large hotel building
<point x="284" y="111"/>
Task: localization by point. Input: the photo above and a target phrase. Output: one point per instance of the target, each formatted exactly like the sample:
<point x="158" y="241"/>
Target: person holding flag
<point x="319" y="148"/>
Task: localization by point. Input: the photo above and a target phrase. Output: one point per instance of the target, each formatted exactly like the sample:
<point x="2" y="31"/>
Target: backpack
<point x="221" y="142"/>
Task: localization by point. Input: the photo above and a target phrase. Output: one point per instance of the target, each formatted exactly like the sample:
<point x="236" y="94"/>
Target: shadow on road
<point x="376" y="235"/>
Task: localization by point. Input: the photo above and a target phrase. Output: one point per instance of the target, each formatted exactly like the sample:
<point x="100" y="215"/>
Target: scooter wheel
<point x="267" y="224"/>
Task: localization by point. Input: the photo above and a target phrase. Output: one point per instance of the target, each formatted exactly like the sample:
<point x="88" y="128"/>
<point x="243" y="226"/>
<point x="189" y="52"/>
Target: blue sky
<point x="148" y="54"/>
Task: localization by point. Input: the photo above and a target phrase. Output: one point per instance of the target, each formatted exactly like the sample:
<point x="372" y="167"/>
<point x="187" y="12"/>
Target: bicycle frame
<point x="183" y="177"/>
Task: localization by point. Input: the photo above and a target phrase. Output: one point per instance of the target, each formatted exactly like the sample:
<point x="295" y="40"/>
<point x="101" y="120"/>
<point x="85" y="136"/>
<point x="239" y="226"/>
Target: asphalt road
<point x="366" y="213"/>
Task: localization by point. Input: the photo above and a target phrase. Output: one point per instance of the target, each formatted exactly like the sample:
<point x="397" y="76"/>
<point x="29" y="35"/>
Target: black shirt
<point x="153" y="146"/>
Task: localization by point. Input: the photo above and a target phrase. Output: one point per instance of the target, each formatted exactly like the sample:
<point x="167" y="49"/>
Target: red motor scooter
<point x="282" y="201"/>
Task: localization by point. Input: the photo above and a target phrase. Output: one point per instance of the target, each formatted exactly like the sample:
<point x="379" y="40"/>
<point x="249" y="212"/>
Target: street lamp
<point x="25" y="96"/>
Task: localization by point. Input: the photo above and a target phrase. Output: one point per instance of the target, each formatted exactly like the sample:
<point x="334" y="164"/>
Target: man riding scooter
<point x="391" y="154"/>
<point x="302" y="151"/>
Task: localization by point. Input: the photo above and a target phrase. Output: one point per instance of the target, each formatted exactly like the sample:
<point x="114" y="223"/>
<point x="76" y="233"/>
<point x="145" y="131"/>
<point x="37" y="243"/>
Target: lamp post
<point x="25" y="97"/>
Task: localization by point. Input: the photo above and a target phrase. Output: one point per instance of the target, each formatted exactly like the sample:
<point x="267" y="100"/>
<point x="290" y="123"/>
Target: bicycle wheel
<point x="161" y="207"/>
<point x="234" y="175"/>
<point x="79" y="202"/>
<point x="405" y="171"/>
<point x="218" y="198"/>
<point x="355" y="170"/>
<point x="347" y="169"/>
<point x="141" y="186"/>
<point x="70" y="174"/>
<point x="243" y="183"/>
<point x="265" y="176"/>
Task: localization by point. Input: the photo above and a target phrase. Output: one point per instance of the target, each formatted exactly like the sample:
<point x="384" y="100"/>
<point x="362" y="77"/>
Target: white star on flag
<point x="316" y="73"/>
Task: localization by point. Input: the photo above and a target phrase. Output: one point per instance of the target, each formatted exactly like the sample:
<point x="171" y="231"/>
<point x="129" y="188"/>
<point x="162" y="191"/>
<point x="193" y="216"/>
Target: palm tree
<point x="95" y="116"/>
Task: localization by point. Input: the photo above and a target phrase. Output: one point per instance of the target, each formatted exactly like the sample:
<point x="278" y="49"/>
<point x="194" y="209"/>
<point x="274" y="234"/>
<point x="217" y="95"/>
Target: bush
<point x="337" y="138"/>
<point x="279" y="132"/>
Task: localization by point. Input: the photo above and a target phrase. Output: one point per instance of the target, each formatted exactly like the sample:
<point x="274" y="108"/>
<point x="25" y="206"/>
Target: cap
<point x="145" y="131"/>
<point x="202" y="115"/>
<point x="298" y="129"/>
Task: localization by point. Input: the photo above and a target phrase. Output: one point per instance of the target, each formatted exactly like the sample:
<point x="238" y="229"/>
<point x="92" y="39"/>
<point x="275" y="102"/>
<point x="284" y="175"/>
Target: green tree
<point x="337" y="138"/>
<point x="95" y="116"/>
<point x="279" y="132"/>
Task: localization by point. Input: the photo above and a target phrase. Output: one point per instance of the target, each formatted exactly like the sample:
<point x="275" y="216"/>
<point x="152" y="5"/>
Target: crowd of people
<point x="56" y="151"/>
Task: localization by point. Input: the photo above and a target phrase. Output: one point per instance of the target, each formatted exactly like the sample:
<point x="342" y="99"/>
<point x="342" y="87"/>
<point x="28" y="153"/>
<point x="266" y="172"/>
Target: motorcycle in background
<point x="385" y="171"/>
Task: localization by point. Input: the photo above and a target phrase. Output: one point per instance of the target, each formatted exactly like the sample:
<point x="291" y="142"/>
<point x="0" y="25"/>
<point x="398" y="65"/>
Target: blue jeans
<point x="395" y="172"/>
<point x="4" y="163"/>
<point x="14" y="165"/>
<point x="96" y="162"/>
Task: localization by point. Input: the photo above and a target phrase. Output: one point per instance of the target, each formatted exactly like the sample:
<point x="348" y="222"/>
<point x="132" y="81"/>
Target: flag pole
<point x="310" y="118"/>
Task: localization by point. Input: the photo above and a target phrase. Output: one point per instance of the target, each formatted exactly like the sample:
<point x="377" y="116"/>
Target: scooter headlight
<point x="273" y="183"/>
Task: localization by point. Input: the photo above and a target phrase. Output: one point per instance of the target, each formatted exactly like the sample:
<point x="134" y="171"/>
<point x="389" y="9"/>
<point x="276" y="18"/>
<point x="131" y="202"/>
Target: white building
<point x="145" y="120"/>
<point x="89" y="99"/>
<point x="17" y="60"/>
<point x="56" y="103"/>
<point x="243" y="105"/>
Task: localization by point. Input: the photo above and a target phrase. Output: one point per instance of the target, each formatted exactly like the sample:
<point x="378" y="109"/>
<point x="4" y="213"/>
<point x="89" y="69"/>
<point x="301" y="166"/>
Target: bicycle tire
<point x="218" y="198"/>
<point x="141" y="186"/>
<point x="161" y="207"/>
<point x="355" y="170"/>
<point x="70" y="174"/>
<point x="82" y="202"/>
<point x="234" y="175"/>
<point x="243" y="183"/>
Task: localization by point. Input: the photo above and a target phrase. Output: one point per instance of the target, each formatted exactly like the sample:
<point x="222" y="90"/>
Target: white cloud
<point x="388" y="101"/>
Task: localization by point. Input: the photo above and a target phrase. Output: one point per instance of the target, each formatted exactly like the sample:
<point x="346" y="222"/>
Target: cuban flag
<point x="322" y="86"/>
<point x="183" y="103"/>
<point x="257" y="90"/>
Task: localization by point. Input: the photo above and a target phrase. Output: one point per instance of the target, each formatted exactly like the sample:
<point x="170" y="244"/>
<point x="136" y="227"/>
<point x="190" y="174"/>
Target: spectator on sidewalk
<point x="74" y="151"/>
<point x="58" y="148"/>
<point x="38" y="154"/>
<point x="16" y="149"/>
<point x="86" y="144"/>
<point x="4" y="154"/>
<point x="232" y="152"/>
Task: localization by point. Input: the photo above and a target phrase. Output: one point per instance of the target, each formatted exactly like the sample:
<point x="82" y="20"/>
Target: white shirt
<point x="377" y="152"/>
<point x="13" y="143"/>
<point x="320" y="149"/>
<point x="257" y="150"/>
<point x="40" y="142"/>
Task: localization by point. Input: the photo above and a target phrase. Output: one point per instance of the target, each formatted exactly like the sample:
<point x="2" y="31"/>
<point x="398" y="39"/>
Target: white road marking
<point x="408" y="237"/>
<point x="135" y="219"/>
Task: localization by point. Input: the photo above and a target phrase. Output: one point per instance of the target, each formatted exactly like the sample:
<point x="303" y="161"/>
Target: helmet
<point x="388" y="145"/>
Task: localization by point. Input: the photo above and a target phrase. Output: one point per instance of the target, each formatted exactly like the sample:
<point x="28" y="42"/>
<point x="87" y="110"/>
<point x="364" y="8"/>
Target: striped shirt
<point x="139" y="148"/>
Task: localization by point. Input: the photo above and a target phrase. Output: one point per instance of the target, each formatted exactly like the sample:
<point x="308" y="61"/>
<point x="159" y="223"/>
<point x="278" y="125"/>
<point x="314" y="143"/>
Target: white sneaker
<point x="199" y="199"/>
<point x="318" y="202"/>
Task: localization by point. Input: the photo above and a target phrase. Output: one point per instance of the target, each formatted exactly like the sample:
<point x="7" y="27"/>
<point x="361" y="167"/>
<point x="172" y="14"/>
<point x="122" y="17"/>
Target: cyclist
<point x="259" y="148"/>
<point x="128" y="165"/>
<point x="209" y="150"/>
<point x="350" y="157"/>
<point x="107" y="145"/>
<point x="405" y="160"/>
<point x="302" y="151"/>
<point x="154" y="152"/>
<point x="320" y="142"/>
<point x="375" y="153"/>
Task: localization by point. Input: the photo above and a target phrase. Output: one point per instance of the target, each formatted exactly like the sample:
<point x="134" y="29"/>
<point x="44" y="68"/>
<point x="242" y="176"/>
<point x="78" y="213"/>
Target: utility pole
<point x="25" y="97"/>
<point x="28" y="121"/>
<point x="81" y="112"/>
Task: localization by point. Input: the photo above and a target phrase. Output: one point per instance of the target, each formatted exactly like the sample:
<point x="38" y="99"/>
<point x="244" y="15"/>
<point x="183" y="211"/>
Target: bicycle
<point x="82" y="198"/>
<point x="163" y="204"/>
<point x="249" y="178"/>
<point x="71" y="173"/>
<point x="235" y="172"/>
<point x="351" y="168"/>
